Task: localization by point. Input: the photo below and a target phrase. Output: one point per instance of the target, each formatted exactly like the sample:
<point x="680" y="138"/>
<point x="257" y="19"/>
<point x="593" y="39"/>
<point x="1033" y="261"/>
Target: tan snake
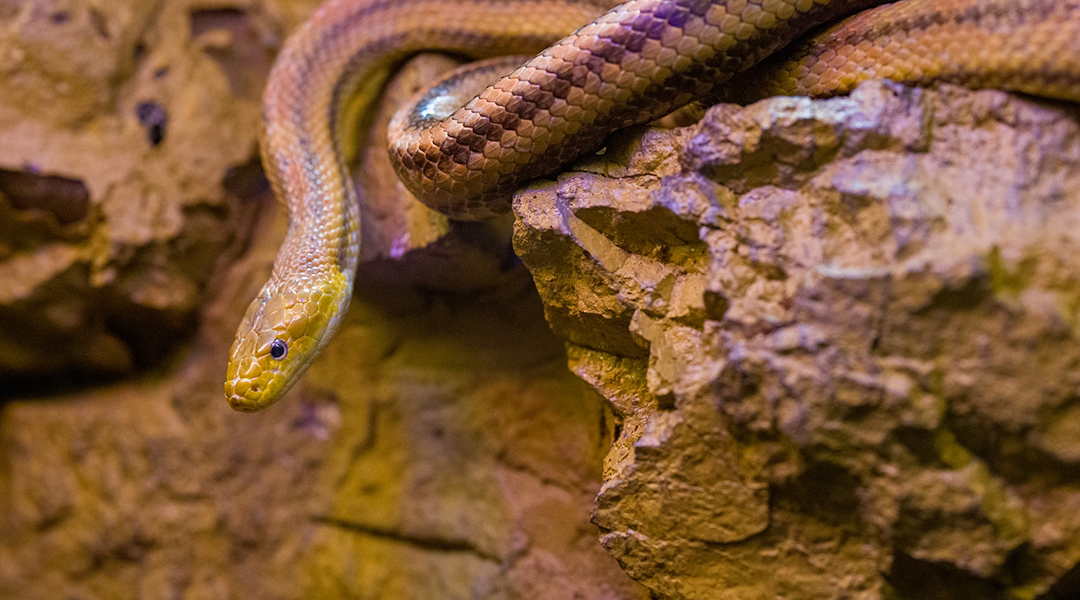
<point x="630" y="65"/>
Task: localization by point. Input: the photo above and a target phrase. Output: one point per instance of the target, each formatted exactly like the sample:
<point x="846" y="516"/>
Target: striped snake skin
<point x="629" y="65"/>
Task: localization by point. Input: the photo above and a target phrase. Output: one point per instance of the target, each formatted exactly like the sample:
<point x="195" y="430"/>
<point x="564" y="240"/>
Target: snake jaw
<point x="298" y="318"/>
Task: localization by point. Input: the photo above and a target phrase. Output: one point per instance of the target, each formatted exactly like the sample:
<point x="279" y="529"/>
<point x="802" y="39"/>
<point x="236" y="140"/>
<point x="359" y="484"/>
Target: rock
<point x="842" y="340"/>
<point x="126" y="159"/>
<point x="837" y="342"/>
<point x="439" y="449"/>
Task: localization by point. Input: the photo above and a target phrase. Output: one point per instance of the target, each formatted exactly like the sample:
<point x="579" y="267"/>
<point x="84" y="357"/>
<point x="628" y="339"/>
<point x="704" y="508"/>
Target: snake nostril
<point x="255" y="389"/>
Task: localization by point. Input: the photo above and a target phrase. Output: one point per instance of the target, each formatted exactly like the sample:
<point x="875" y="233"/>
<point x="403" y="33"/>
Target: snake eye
<point x="278" y="349"/>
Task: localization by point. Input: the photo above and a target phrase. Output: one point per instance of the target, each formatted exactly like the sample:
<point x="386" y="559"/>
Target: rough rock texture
<point x="848" y="371"/>
<point x="842" y="341"/>
<point x="440" y="448"/>
<point x="125" y="130"/>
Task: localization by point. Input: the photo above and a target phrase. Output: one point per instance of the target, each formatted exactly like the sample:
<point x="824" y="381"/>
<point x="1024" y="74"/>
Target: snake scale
<point x="631" y="64"/>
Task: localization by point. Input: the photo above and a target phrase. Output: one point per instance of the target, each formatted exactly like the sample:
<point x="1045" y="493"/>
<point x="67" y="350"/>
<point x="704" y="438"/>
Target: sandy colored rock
<point x="837" y="342"/>
<point x="439" y="449"/>
<point x="841" y="337"/>
<point x="124" y="155"/>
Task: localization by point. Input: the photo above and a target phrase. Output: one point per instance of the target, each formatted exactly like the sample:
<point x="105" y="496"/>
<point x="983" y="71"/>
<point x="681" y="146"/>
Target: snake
<point x="597" y="67"/>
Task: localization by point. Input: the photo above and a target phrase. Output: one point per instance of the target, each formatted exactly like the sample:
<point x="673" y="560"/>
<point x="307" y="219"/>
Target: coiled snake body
<point x="629" y="65"/>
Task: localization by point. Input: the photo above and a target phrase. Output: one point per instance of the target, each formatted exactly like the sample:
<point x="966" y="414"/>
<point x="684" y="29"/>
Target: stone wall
<point x="842" y="340"/>
<point x="816" y="349"/>
<point x="439" y="449"/>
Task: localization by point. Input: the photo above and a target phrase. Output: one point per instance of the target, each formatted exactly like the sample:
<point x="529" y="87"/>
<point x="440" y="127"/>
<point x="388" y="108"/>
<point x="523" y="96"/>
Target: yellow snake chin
<point x="283" y="330"/>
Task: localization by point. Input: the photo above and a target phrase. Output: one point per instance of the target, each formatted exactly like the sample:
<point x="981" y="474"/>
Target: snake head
<point x="284" y="329"/>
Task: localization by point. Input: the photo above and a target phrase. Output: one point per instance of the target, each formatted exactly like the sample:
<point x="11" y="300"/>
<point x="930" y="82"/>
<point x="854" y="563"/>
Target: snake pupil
<point x="278" y="350"/>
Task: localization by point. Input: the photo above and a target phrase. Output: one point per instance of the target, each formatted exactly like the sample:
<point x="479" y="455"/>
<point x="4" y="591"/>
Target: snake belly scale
<point x="629" y="65"/>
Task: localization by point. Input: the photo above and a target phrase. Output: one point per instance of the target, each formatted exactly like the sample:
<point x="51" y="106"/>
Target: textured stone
<point x="842" y="340"/>
<point x="126" y="149"/>
<point x="439" y="449"/>
<point x="838" y="341"/>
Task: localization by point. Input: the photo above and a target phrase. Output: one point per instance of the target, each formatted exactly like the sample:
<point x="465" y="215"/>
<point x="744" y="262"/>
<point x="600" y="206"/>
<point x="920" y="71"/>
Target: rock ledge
<point x="842" y="337"/>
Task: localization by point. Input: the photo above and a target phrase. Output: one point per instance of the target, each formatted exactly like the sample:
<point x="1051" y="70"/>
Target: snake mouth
<point x="245" y="396"/>
<point x="243" y="404"/>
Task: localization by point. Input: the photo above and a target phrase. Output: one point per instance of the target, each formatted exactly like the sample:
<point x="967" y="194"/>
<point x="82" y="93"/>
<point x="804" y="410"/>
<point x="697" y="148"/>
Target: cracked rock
<point x="438" y="448"/>
<point x="123" y="146"/>
<point x="841" y="338"/>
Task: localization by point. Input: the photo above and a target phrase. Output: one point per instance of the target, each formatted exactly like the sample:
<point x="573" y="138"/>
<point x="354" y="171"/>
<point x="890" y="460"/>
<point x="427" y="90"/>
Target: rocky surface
<point x="841" y="338"/>
<point x="838" y="343"/>
<point x="440" y="449"/>
<point x="125" y="144"/>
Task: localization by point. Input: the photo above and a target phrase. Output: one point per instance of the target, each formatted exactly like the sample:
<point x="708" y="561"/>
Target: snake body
<point x="629" y="65"/>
